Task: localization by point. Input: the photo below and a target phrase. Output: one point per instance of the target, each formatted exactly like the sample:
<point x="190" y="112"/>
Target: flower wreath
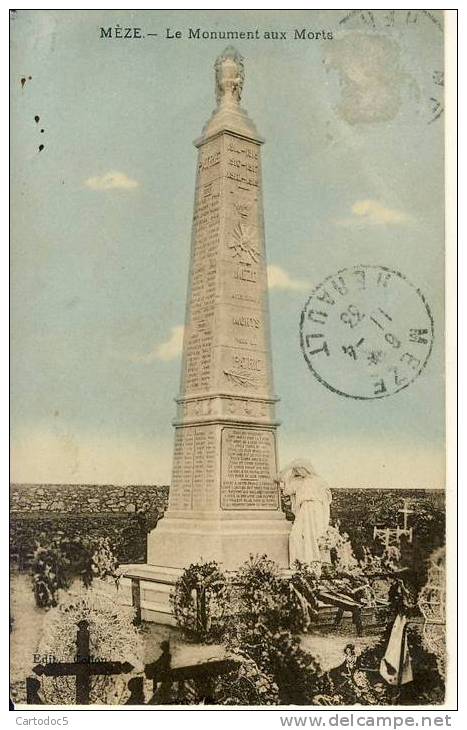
<point x="200" y="601"/>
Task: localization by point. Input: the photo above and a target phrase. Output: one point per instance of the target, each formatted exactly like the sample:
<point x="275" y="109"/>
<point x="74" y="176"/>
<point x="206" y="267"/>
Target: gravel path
<point x="24" y="639"/>
<point x="329" y="649"/>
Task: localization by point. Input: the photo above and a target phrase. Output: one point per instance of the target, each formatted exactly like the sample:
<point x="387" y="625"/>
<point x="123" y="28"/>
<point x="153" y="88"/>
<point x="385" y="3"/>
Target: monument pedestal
<point x="177" y="542"/>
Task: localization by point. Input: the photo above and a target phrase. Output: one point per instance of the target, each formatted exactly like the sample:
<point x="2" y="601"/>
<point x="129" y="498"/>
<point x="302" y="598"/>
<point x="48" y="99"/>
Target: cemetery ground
<point x="284" y="642"/>
<point x="28" y="627"/>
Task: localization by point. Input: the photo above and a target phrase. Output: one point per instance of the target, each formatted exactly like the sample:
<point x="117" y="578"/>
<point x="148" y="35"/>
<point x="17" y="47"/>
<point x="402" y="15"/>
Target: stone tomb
<point x="223" y="501"/>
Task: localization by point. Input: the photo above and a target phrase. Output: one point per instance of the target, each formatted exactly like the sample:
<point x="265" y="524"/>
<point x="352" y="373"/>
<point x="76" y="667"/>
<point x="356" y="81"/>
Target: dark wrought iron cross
<point x="83" y="668"/>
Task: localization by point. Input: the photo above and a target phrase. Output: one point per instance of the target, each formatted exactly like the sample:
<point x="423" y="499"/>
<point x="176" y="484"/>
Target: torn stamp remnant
<point x="366" y="332"/>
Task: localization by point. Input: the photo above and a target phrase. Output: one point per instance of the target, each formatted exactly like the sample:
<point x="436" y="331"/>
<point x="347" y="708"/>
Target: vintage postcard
<point x="228" y="405"/>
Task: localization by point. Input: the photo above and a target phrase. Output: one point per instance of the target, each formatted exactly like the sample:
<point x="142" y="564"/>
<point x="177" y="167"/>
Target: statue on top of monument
<point x="310" y="501"/>
<point x="230" y="75"/>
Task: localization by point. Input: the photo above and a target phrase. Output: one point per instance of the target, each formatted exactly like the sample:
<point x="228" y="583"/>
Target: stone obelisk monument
<point x="223" y="502"/>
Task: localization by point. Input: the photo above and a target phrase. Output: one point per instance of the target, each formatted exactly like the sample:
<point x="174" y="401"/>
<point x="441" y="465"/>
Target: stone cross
<point x="83" y="668"/>
<point x="406" y="512"/>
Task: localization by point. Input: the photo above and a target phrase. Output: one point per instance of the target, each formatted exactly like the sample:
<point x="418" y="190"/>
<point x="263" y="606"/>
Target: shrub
<point x="304" y="589"/>
<point x="266" y="625"/>
<point x="278" y="655"/>
<point x="47" y="577"/>
<point x="247" y="685"/>
<point x="55" y="565"/>
<point x="257" y="614"/>
<point x="127" y="534"/>
<point x="352" y="507"/>
<point x="103" y="561"/>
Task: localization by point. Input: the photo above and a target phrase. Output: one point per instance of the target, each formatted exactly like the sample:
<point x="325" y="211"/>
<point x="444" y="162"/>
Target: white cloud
<point x="112" y="180"/>
<point x="374" y="213"/>
<point x="280" y="279"/>
<point x="165" y="351"/>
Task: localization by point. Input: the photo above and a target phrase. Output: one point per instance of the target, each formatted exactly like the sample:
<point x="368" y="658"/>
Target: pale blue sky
<point x="99" y="273"/>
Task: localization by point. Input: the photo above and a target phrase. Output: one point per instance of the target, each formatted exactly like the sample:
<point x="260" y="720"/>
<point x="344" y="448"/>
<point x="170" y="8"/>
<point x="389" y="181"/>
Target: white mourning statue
<point x="310" y="499"/>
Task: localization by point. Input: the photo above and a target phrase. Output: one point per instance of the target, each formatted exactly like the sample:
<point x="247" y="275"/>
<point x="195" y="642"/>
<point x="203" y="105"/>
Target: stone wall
<point x="87" y="499"/>
<point x="99" y="498"/>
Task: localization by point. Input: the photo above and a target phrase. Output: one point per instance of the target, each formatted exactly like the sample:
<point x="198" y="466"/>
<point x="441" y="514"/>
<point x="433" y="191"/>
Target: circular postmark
<point x="366" y="332"/>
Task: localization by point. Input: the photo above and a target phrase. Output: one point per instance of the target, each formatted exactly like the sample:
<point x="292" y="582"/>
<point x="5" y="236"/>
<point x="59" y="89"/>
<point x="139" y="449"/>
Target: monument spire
<point x="224" y="502"/>
<point x="229" y="115"/>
